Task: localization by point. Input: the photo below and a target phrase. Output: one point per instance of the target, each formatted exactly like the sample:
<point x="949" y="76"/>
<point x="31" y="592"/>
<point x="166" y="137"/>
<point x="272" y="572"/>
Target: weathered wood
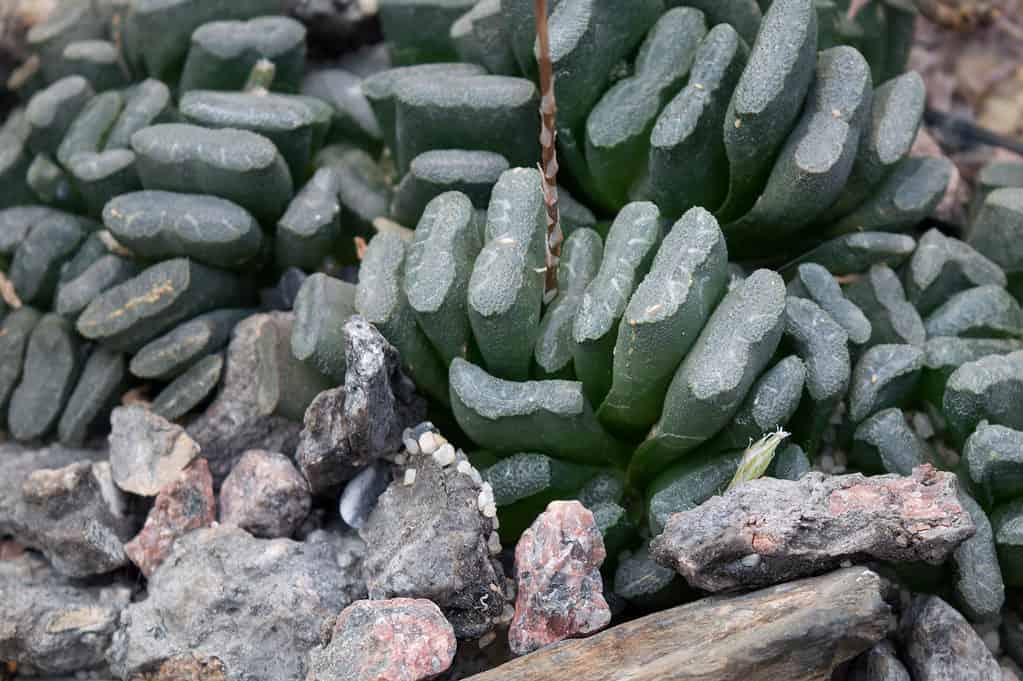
<point x="798" y="631"/>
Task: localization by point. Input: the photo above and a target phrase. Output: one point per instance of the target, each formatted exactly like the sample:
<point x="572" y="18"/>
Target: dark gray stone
<point x="362" y="421"/>
<point x="432" y="535"/>
<point x="63" y="502"/>
<point x="940" y="645"/>
<point x="51" y="625"/>
<point x="350" y="552"/>
<point x="225" y="602"/>
<point x="768" y="531"/>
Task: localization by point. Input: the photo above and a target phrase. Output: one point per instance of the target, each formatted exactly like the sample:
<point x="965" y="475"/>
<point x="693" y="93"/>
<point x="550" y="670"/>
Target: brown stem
<point x="548" y="139"/>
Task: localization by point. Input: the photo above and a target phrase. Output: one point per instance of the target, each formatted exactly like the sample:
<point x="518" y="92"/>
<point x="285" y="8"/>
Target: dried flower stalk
<point x="548" y="139"/>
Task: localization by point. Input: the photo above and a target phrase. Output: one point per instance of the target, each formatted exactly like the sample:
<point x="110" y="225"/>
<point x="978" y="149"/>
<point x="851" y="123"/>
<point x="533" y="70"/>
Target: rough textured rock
<point x="265" y="495"/>
<point x="51" y="625"/>
<point x="792" y="632"/>
<point x="431" y="536"/>
<point x="184" y="504"/>
<point x="64" y="504"/>
<point x="241" y="418"/>
<point x="404" y="639"/>
<point x="769" y="531"/>
<point x="880" y="663"/>
<point x="146" y="450"/>
<point x="350" y="552"/>
<point x="362" y="421"/>
<point x="557" y="566"/>
<point x="940" y="645"/>
<point x="219" y="583"/>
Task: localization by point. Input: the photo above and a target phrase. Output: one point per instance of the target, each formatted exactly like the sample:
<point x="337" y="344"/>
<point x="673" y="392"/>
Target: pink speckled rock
<point x="265" y="495"/>
<point x="185" y="504"/>
<point x="402" y="639"/>
<point x="770" y="531"/>
<point x="560" y="592"/>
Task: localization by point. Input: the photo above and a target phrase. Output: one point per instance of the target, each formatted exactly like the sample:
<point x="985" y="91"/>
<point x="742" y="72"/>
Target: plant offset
<point x="744" y="289"/>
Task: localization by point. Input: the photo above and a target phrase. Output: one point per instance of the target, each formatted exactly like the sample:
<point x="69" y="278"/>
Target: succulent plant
<point x="723" y="106"/>
<point x="152" y="201"/>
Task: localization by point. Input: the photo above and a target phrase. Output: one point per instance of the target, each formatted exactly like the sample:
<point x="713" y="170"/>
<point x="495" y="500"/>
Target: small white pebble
<point x="428" y="443"/>
<point x="401" y="459"/>
<point x="445" y="455"/>
<point x="411" y="446"/>
<point x="846" y="563"/>
<point x="410" y="477"/>
<point x="476" y="477"/>
<point x="486" y="497"/>
<point x="487" y="638"/>
<point x="214" y="524"/>
<point x="751" y="561"/>
<point x="490" y="511"/>
<point x="494" y="544"/>
<point x="464" y="467"/>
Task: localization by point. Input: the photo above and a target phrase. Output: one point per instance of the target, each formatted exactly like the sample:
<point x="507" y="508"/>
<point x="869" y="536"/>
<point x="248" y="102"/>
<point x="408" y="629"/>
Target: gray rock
<point x="769" y="531"/>
<point x="880" y="663"/>
<point x="350" y="551"/>
<point x="53" y="626"/>
<point x="940" y="645"/>
<point x="430" y="536"/>
<point x="245" y="415"/>
<point x="404" y="639"/>
<point x="265" y="495"/>
<point x="64" y="503"/>
<point x="146" y="450"/>
<point x="351" y="426"/>
<point x="227" y="603"/>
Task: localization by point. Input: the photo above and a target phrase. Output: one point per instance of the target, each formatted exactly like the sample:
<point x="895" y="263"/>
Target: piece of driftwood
<point x="798" y="631"/>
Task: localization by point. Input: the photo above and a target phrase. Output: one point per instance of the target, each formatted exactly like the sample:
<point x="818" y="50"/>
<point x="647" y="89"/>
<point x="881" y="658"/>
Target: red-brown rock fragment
<point x="185" y="504"/>
<point x="771" y="531"/>
<point x="402" y="639"/>
<point x="560" y="592"/>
